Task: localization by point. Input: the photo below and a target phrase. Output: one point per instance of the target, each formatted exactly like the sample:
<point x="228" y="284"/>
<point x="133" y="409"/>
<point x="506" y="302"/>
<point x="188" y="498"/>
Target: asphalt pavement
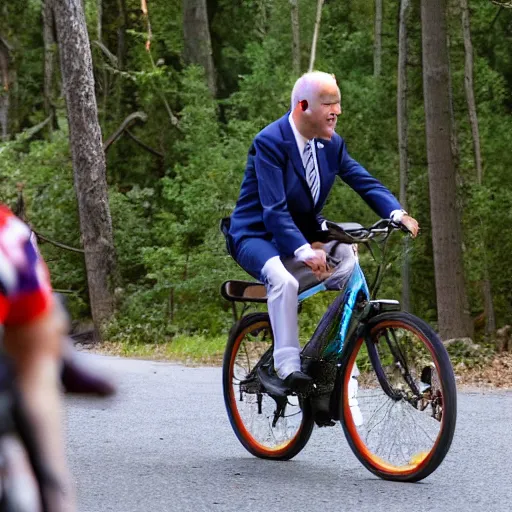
<point x="164" y="443"/>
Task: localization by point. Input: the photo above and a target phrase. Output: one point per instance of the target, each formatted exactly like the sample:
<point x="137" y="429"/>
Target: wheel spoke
<point x="265" y="429"/>
<point x="399" y="433"/>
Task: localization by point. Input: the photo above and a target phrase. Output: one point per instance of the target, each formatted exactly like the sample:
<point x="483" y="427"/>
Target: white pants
<point x="282" y="292"/>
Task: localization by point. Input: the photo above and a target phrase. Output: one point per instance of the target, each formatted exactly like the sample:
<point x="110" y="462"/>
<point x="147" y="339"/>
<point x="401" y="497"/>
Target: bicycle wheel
<point x="253" y="413"/>
<point x="399" y="415"/>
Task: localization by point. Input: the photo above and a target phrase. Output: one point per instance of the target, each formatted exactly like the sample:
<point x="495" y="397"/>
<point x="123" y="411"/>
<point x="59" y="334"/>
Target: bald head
<point x="315" y="105"/>
<point x="309" y="84"/>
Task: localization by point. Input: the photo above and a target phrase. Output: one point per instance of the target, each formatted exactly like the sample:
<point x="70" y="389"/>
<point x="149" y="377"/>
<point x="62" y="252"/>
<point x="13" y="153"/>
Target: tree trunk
<point x="4" y="92"/>
<point x="104" y="83"/>
<point x="50" y="47"/>
<point x="295" y="36"/>
<point x="468" y="85"/>
<point x="87" y="155"/>
<point x="99" y="20"/>
<point x="453" y="124"/>
<point x="121" y="34"/>
<point x="319" y="6"/>
<point x="452" y="304"/>
<point x="198" y="45"/>
<point x="377" y="45"/>
<point x="403" y="142"/>
<point x="490" y="325"/>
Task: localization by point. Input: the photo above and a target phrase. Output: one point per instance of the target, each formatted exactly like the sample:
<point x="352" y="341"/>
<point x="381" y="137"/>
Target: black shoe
<point x="298" y="381"/>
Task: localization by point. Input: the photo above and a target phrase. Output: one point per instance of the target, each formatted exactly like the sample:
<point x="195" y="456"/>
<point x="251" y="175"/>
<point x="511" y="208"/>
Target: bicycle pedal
<point x="272" y="384"/>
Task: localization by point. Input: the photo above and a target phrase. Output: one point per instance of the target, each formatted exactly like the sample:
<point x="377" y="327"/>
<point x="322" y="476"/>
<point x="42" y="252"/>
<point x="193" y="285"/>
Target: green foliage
<point x="44" y="170"/>
<point x="166" y="209"/>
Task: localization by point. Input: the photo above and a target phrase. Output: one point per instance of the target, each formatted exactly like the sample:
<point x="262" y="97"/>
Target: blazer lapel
<point x="293" y="152"/>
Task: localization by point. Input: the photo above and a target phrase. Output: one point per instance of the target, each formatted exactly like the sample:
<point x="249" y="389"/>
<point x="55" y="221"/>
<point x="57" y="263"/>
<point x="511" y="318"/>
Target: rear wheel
<point x="263" y="429"/>
<point x="399" y="413"/>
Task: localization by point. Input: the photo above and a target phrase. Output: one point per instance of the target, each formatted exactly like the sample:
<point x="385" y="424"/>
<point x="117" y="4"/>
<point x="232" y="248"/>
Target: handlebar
<point x="356" y="234"/>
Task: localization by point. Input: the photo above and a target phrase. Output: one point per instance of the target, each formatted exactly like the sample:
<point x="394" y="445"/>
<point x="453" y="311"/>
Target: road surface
<point x="165" y="444"/>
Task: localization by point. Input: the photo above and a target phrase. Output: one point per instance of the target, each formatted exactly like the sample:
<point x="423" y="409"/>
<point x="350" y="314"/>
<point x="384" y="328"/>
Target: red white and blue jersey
<point x="25" y="290"/>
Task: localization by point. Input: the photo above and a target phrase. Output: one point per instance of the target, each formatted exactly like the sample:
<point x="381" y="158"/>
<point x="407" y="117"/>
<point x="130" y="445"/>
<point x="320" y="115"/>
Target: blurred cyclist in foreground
<point x="33" y="333"/>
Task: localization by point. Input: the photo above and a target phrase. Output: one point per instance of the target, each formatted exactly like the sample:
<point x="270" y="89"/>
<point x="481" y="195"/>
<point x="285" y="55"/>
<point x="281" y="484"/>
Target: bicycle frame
<point x="357" y="304"/>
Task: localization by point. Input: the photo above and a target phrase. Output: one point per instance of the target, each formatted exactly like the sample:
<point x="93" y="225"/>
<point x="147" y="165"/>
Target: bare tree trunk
<point x="4" y="92"/>
<point x="452" y="304"/>
<point x="403" y="142"/>
<point x="490" y="316"/>
<point x="319" y="6"/>
<point x="198" y="45"/>
<point x="490" y="325"/>
<point x="377" y="45"/>
<point x="295" y="36"/>
<point x="104" y="84"/>
<point x="453" y="124"/>
<point x="88" y="157"/>
<point x="50" y="47"/>
<point x="468" y="84"/>
<point x="121" y="34"/>
<point x="99" y="20"/>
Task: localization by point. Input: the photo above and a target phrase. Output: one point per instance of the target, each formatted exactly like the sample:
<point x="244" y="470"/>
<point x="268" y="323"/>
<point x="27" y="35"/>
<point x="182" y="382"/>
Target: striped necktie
<point x="311" y="172"/>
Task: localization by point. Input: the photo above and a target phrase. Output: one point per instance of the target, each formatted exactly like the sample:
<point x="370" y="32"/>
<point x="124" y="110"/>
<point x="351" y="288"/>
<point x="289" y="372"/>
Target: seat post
<point x="235" y="312"/>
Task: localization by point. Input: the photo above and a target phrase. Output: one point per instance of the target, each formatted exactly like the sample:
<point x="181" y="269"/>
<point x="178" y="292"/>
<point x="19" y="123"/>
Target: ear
<point x="304" y="105"/>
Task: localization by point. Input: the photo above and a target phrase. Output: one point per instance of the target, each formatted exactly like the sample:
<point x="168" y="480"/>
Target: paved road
<point x="165" y="444"/>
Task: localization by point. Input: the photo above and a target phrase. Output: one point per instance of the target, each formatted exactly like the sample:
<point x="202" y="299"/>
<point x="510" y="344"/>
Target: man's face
<point x="325" y="109"/>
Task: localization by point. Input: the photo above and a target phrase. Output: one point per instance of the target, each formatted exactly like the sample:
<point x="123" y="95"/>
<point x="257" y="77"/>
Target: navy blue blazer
<point x="275" y="201"/>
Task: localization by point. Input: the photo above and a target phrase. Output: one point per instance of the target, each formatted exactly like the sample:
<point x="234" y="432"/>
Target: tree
<point x="4" y="89"/>
<point x="50" y="46"/>
<point x="377" y="44"/>
<point x="403" y="143"/>
<point x="198" y="45"/>
<point x="294" y="8"/>
<point x="475" y="132"/>
<point x="452" y="304"/>
<point x="87" y="155"/>
<point x="319" y="6"/>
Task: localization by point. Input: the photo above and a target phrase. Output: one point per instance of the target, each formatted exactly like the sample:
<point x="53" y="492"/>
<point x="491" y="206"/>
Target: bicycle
<point x="382" y="373"/>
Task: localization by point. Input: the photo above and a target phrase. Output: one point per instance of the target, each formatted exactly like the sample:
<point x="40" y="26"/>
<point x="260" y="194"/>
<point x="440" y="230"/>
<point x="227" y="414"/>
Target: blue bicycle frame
<point x="356" y="286"/>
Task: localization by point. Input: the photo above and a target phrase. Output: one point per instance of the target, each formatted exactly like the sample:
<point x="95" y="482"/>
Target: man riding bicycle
<point x="33" y="332"/>
<point x="277" y="223"/>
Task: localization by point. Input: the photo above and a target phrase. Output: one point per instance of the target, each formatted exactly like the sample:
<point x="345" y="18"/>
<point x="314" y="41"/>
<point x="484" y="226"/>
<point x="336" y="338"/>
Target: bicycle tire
<point x="392" y="456"/>
<point x="243" y="412"/>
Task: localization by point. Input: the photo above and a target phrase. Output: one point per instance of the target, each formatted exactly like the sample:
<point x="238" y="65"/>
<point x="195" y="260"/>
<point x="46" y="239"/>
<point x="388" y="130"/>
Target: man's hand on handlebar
<point x="318" y="263"/>
<point x="411" y="225"/>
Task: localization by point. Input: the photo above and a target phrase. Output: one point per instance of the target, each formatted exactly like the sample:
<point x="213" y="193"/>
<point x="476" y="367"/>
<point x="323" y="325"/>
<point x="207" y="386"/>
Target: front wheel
<point x="264" y="429"/>
<point x="399" y="402"/>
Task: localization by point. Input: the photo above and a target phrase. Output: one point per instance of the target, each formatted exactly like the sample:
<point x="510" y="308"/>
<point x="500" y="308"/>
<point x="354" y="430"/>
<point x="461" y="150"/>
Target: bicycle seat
<point x="243" y="291"/>
<point x="250" y="291"/>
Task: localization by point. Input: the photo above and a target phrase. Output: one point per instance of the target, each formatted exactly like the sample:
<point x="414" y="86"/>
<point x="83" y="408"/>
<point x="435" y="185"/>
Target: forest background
<point x="182" y="87"/>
